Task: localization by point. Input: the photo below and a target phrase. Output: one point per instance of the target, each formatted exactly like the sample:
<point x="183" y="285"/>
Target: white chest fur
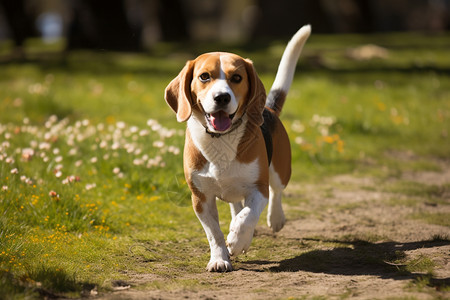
<point x="222" y="176"/>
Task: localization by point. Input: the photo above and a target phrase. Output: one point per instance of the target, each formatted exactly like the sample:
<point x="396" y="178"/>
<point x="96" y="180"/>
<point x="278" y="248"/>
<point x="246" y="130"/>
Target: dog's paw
<point x="239" y="239"/>
<point x="219" y="265"/>
<point x="276" y="220"/>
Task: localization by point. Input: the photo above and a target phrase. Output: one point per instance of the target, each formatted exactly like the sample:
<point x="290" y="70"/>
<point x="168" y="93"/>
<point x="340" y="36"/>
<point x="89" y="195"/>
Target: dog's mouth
<point x="220" y="121"/>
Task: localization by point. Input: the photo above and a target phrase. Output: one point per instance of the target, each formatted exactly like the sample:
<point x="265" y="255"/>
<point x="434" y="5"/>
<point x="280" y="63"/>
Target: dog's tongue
<point x="220" y="121"/>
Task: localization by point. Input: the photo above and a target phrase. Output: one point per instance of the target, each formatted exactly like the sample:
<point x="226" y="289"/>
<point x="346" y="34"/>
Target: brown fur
<point x="193" y="160"/>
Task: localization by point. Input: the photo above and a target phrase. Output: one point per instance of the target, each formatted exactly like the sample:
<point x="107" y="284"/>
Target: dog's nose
<point x="222" y="99"/>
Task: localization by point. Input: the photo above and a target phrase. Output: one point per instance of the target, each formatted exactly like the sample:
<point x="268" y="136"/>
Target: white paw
<point x="239" y="238"/>
<point x="276" y="220"/>
<point x="219" y="265"/>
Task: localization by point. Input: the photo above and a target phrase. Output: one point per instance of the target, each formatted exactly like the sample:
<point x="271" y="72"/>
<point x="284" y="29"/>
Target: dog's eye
<point x="204" y="77"/>
<point x="236" y="78"/>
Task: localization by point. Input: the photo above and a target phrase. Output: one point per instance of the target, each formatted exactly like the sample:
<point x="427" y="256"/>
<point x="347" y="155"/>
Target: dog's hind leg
<point x="235" y="208"/>
<point x="275" y="214"/>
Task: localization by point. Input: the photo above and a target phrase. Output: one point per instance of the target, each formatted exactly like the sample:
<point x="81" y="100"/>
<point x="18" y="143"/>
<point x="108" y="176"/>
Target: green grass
<point x="416" y="189"/>
<point x="92" y="191"/>
<point x="433" y="218"/>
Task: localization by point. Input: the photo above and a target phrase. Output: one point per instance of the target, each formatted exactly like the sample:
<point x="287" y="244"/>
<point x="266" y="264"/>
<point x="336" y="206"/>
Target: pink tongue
<point x="220" y="121"/>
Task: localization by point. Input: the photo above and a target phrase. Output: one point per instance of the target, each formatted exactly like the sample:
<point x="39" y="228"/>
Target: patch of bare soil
<point x="355" y="240"/>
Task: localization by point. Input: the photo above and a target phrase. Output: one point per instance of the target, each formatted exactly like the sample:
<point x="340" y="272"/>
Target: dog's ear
<point x="256" y="96"/>
<point x="178" y="93"/>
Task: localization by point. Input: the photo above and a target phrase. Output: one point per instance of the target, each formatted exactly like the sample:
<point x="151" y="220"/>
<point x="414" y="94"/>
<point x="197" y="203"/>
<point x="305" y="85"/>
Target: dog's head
<point x="218" y="88"/>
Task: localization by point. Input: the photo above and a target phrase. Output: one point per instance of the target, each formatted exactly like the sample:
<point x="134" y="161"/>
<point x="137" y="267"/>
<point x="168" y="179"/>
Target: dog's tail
<point x="286" y="70"/>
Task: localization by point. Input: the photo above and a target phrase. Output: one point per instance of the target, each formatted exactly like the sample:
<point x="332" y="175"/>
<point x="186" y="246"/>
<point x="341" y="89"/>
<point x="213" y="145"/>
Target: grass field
<point x="92" y="189"/>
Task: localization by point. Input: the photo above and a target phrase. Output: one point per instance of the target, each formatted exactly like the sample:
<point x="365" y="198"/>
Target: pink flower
<point x="53" y="194"/>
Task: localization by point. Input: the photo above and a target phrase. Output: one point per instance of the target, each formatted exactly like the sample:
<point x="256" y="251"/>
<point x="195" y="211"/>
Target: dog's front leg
<point x="206" y="212"/>
<point x="236" y="208"/>
<point x="243" y="224"/>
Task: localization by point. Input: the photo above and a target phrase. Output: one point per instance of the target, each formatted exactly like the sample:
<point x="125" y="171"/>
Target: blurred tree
<point x="284" y="17"/>
<point x="101" y="24"/>
<point x="173" y="20"/>
<point x="119" y="24"/>
<point x="131" y="25"/>
<point x="20" y="23"/>
<point x="349" y="15"/>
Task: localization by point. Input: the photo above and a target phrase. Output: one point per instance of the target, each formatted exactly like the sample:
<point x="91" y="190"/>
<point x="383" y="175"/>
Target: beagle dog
<point x="236" y="147"/>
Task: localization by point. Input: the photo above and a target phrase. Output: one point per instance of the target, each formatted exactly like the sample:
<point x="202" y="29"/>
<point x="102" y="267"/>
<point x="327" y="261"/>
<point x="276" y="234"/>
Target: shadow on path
<point x="357" y="258"/>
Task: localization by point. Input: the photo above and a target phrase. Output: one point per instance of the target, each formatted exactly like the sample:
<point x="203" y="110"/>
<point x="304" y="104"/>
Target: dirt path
<point x="357" y="239"/>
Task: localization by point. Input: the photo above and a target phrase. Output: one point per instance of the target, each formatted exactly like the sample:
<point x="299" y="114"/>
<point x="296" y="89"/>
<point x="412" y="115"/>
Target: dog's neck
<point x="222" y="148"/>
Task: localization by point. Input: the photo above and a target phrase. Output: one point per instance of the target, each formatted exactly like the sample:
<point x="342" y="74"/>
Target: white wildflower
<point x="27" y="154"/>
<point x="144" y="132"/>
<point x="115" y="146"/>
<point x="158" y="144"/>
<point x="129" y="147"/>
<point x="48" y="136"/>
<point x="44" y="146"/>
<point x="100" y="127"/>
<point x="174" y="150"/>
<point x="90" y="186"/>
<point x="297" y="126"/>
<point x="316" y="118"/>
<point x="299" y="140"/>
<point x="151" y="122"/>
<point x="324" y="131"/>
